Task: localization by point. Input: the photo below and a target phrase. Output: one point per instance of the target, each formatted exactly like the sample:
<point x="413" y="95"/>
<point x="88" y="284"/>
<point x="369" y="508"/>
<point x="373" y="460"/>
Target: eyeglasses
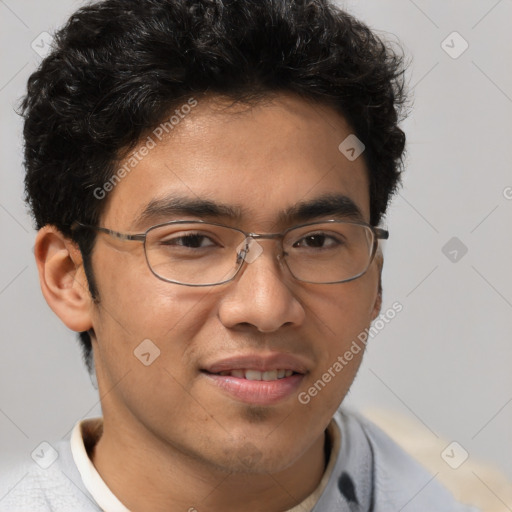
<point x="198" y="253"/>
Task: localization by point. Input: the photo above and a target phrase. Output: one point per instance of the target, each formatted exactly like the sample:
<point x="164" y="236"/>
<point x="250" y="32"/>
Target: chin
<point x="261" y="458"/>
<point x="265" y="466"/>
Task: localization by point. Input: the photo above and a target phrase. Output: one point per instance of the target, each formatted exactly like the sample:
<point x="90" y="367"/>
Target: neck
<point x="147" y="474"/>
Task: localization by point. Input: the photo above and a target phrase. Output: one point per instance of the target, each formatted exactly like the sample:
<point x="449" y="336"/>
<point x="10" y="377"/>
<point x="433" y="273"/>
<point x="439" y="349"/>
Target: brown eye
<point x="193" y="241"/>
<point x="317" y="240"/>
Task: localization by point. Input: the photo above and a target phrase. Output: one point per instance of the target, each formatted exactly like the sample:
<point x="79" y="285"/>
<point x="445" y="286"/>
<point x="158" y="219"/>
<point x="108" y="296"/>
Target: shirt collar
<point x="93" y="482"/>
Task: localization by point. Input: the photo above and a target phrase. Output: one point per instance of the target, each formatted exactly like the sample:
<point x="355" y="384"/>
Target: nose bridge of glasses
<point x="265" y="236"/>
<point x="250" y="249"/>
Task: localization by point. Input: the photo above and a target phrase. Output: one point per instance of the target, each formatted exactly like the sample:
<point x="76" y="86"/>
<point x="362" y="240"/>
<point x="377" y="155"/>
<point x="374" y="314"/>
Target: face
<point x="261" y="161"/>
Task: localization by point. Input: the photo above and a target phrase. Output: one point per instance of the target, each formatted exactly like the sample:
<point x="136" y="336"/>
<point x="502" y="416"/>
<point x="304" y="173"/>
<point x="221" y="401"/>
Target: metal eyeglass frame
<point x="378" y="234"/>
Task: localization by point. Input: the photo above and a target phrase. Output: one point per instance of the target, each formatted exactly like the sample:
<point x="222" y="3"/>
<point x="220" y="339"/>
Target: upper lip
<point x="262" y="363"/>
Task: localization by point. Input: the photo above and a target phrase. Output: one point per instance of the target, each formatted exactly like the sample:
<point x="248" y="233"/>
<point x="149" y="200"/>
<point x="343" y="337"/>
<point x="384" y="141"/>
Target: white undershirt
<point x="93" y="482"/>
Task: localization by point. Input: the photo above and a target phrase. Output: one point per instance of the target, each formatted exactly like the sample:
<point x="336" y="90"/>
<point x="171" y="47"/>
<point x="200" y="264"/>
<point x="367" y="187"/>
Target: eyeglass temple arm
<point x="381" y="234"/>
<point x="121" y="236"/>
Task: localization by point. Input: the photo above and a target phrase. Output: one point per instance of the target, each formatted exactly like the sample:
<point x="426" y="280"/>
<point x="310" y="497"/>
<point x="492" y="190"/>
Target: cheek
<point x="345" y="309"/>
<point x="135" y="301"/>
<point x="141" y="307"/>
<point x="339" y="314"/>
<point x="146" y="330"/>
<point x="341" y="317"/>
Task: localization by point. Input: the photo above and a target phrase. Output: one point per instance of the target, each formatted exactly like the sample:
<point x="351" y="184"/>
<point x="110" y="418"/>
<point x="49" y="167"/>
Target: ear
<point x="379" y="261"/>
<point x="62" y="278"/>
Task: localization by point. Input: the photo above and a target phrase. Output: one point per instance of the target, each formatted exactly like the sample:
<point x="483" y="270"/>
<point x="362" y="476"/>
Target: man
<point x="207" y="178"/>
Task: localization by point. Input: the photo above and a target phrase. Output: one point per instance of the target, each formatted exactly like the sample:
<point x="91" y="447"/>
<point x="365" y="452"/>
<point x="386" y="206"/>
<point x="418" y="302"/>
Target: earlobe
<point x="378" y="303"/>
<point x="62" y="278"/>
<point x="378" y="299"/>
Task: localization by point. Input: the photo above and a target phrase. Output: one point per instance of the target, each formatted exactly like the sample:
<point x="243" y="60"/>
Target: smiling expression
<point x="232" y="358"/>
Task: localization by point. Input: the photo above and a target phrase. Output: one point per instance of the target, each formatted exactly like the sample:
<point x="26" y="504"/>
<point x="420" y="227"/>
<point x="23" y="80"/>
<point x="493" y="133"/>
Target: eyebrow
<point x="335" y="206"/>
<point x="171" y="206"/>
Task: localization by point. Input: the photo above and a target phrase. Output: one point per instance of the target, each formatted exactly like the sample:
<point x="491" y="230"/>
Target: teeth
<point x="257" y="375"/>
<point x="253" y="375"/>
<point x="270" y="375"/>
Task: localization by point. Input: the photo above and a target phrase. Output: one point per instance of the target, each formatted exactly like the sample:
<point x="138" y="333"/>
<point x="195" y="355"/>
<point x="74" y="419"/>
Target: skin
<point x="171" y="439"/>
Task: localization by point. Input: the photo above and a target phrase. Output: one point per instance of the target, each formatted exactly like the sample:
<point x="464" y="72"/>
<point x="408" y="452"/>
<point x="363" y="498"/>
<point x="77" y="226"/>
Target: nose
<point x="262" y="295"/>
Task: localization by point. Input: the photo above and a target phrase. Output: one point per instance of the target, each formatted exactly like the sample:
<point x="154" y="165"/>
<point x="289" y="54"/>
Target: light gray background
<point x="445" y="359"/>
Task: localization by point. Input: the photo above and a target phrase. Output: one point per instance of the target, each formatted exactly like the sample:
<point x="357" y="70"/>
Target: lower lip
<point x="257" y="392"/>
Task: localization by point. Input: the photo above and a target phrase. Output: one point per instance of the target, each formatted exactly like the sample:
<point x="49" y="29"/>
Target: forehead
<point x="260" y="166"/>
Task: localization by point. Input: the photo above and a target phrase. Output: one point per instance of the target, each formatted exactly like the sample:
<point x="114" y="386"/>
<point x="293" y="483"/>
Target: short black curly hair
<point x="118" y="67"/>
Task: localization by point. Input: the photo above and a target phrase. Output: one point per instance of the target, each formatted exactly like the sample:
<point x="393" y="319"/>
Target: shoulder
<point x="399" y="481"/>
<point x="45" y="487"/>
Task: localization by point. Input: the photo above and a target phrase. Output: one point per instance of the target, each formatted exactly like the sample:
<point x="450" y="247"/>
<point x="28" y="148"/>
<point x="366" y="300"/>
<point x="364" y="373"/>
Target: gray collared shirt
<point x="371" y="474"/>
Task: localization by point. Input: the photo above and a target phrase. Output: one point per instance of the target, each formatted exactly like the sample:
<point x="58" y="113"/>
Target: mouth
<point x="256" y="379"/>
<point x="266" y="376"/>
